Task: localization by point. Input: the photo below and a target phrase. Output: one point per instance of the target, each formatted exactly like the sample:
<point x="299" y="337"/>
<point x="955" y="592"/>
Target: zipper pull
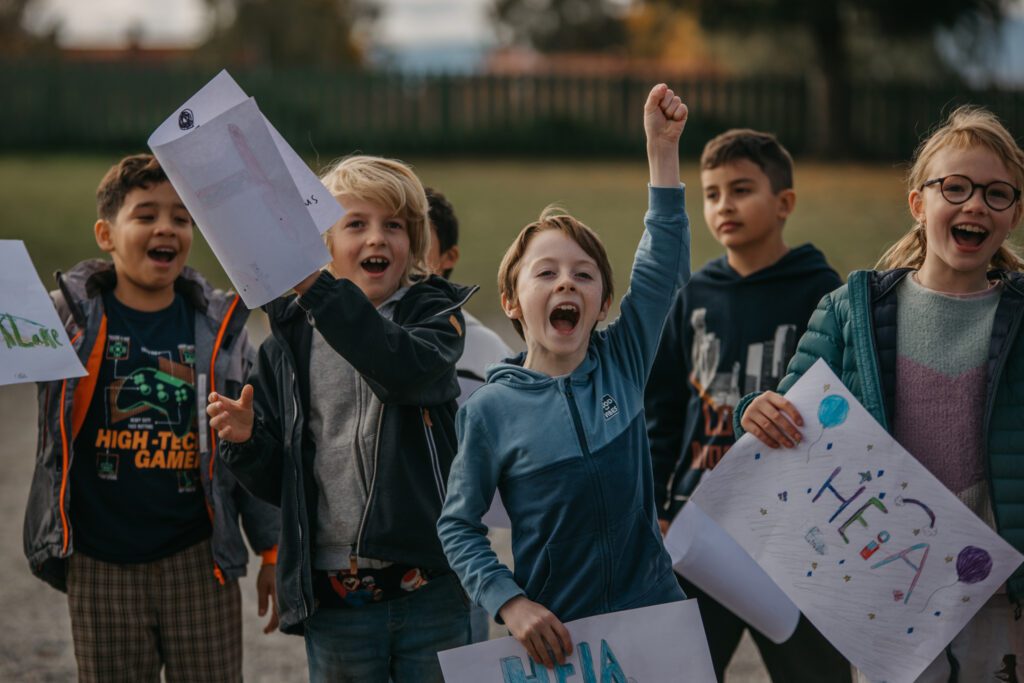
<point x="353" y="565"/>
<point x="568" y="388"/>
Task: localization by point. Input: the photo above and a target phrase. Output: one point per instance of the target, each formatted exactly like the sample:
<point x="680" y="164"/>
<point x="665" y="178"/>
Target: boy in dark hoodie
<point x="732" y="330"/>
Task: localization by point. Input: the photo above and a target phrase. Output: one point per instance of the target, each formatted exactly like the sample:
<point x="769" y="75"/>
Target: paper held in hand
<point x="261" y="209"/>
<point x="706" y="556"/>
<point x="659" y="643"/>
<point x="33" y="344"/>
<point x="884" y="560"/>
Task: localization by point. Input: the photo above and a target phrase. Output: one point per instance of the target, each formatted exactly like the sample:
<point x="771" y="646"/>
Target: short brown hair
<point x="552" y="218"/>
<point x="391" y="184"/>
<point x="138" y="170"/>
<point x="763" y="149"/>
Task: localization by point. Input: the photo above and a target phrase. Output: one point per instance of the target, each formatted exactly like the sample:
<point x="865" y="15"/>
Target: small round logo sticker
<point x="186" y="119"/>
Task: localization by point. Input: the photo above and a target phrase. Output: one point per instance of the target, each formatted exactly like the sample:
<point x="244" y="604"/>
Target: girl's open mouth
<point x="969" y="235"/>
<point x="565" y="317"/>
<point x="375" y="264"/>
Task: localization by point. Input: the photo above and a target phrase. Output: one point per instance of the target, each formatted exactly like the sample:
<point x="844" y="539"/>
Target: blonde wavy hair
<point x="391" y="184"/>
<point x="968" y="126"/>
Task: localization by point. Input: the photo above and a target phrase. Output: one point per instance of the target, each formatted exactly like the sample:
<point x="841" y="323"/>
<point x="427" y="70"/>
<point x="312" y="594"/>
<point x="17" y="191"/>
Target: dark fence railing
<point x="71" y="106"/>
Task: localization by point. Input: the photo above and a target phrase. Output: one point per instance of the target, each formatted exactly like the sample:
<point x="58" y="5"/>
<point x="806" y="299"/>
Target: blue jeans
<point x="397" y="640"/>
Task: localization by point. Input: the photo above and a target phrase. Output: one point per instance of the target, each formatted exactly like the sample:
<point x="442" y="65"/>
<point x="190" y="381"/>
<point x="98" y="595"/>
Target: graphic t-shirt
<point x="727" y="335"/>
<point x="136" y="494"/>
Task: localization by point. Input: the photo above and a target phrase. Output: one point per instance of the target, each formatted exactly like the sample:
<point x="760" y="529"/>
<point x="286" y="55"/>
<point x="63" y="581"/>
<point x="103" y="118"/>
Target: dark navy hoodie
<point x="726" y="336"/>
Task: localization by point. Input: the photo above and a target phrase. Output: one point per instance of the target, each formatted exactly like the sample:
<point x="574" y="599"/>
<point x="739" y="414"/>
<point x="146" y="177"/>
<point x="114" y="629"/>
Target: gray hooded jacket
<point x="223" y="357"/>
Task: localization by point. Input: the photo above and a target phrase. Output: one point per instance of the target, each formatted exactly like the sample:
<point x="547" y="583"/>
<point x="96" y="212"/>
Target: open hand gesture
<point x="664" y="116"/>
<point x="232" y="419"/>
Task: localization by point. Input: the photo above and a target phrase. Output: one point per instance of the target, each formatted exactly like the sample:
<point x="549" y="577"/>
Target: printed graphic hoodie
<point x="570" y="458"/>
<point x="726" y="336"/>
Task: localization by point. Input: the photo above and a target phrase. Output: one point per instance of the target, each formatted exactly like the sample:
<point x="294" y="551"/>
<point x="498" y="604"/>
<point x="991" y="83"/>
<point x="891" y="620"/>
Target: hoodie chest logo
<point x="609" y="407"/>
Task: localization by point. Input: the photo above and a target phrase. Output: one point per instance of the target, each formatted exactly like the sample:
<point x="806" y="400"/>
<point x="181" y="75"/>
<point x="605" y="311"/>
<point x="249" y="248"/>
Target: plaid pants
<point x="129" y="620"/>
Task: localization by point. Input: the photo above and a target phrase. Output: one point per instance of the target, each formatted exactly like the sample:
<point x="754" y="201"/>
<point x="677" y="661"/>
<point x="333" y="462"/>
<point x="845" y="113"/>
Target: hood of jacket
<point x="90" y="278"/>
<point x="799" y="262"/>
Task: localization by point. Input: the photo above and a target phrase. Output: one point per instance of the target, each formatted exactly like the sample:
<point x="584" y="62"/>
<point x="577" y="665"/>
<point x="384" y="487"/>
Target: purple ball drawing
<point x="973" y="564"/>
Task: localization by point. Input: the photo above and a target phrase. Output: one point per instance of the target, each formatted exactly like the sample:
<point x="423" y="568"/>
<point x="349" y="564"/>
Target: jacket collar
<point x="90" y="278"/>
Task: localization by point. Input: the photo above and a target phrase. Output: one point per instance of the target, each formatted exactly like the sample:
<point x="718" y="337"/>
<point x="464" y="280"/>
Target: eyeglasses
<point x="957" y="189"/>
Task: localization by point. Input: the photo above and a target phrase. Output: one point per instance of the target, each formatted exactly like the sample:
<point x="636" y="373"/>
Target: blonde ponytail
<point x="908" y="252"/>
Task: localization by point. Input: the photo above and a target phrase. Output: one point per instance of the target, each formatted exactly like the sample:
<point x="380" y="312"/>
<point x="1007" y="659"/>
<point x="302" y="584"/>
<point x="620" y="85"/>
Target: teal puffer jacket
<point x="854" y="331"/>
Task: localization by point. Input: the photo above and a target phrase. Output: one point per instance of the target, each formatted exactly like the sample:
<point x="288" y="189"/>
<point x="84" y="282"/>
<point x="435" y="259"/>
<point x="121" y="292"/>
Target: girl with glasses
<point x="931" y="345"/>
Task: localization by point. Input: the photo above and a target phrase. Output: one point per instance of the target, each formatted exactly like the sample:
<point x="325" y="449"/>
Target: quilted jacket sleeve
<point x="823" y="339"/>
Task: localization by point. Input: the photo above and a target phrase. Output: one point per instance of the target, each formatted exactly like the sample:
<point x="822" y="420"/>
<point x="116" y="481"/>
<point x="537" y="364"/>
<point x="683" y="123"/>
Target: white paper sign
<point x="238" y="189"/>
<point x="646" y="645"/>
<point x="218" y="96"/>
<point x="873" y="549"/>
<point x="712" y="560"/>
<point x="33" y="344"/>
<point x="259" y="206"/>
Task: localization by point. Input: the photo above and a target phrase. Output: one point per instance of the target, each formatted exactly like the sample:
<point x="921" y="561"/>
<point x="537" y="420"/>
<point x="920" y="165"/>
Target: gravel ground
<point x="36" y="642"/>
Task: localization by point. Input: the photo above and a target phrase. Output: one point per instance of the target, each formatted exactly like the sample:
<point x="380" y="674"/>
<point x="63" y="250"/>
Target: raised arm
<point x="664" y="120"/>
<point x="413" y="363"/>
<point x="662" y="262"/>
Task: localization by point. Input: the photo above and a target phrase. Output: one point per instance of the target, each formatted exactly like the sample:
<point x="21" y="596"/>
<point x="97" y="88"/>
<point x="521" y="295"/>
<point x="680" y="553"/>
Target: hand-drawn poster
<point x="238" y="189"/>
<point x="706" y="556"/>
<point x="873" y="549"/>
<point x="33" y="344"/>
<point x="647" y="645"/>
<point x="221" y="94"/>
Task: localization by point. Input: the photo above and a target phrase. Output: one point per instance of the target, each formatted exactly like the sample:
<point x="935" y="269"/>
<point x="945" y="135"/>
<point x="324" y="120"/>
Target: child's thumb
<point x="245" y="400"/>
<point x="654" y="97"/>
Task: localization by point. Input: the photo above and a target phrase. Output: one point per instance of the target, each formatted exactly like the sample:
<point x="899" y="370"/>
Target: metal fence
<point x="74" y="107"/>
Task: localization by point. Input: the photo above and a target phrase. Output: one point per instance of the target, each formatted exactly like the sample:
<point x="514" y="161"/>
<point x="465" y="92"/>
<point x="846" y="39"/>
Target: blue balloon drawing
<point x="973" y="564"/>
<point x="832" y="412"/>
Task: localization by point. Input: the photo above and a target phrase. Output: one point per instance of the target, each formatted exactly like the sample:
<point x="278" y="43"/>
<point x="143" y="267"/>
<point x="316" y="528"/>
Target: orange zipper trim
<point x="65" y="454"/>
<point x="82" y="398"/>
<point x="213" y="387"/>
<point x="213" y="378"/>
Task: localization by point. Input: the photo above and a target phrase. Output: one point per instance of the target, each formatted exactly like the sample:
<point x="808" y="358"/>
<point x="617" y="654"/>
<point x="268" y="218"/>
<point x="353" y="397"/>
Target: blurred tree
<point x="562" y="25"/>
<point x="282" y="33"/>
<point x="833" y="26"/>
<point x="15" y="39"/>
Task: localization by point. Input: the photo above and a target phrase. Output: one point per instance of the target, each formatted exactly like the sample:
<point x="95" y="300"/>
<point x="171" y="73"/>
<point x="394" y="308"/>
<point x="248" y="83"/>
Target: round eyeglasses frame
<point x="941" y="182"/>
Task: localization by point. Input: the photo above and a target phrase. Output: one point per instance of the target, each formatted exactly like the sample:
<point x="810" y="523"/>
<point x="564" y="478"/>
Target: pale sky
<point x="184" y="22"/>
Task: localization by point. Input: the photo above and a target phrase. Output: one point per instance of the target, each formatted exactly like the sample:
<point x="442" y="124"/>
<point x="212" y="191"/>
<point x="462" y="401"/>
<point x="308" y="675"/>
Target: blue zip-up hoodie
<point x="571" y="458"/>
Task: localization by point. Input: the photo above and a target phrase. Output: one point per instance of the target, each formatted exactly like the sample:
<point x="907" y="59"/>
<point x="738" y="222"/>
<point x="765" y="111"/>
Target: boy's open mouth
<point x="968" y="235"/>
<point x="162" y="254"/>
<point x="375" y="264"/>
<point x="565" y="317"/>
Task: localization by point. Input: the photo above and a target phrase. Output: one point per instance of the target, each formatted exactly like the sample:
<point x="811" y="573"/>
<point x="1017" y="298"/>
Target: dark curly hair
<point x="444" y="220"/>
<point x="138" y="170"/>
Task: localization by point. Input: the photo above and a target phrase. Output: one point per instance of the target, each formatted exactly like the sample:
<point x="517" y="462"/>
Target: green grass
<point x="851" y="212"/>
